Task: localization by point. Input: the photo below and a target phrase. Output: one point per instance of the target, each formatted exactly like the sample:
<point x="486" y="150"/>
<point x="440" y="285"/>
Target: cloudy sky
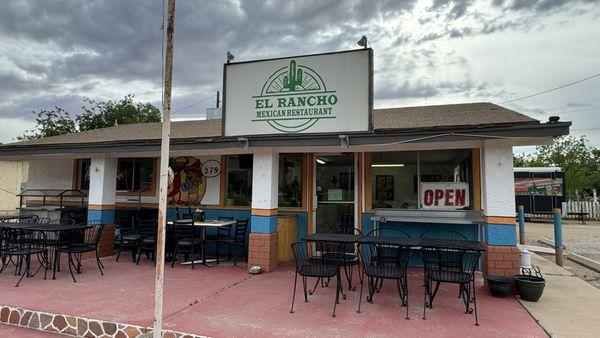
<point x="53" y="53"/>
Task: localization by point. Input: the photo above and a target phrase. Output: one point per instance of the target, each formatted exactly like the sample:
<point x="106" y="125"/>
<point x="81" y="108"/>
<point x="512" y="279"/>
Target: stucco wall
<point x="50" y="174"/>
<point x="498" y="191"/>
<point x="11" y="177"/>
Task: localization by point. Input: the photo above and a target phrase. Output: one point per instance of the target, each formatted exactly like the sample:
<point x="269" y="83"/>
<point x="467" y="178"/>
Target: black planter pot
<point x="499" y="285"/>
<point x="530" y="288"/>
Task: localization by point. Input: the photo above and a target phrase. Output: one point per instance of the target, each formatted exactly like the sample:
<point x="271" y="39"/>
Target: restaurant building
<point x="299" y="142"/>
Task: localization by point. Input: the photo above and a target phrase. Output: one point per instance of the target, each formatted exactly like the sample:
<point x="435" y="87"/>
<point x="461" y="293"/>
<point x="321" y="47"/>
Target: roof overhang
<point x="517" y="132"/>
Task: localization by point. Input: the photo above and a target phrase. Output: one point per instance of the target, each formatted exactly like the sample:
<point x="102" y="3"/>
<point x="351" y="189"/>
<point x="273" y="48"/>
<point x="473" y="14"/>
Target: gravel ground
<point x="582" y="239"/>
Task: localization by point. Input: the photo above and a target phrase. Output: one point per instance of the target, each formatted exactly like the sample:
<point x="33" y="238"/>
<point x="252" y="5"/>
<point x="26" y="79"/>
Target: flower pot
<point x="499" y="285"/>
<point x="530" y="288"/>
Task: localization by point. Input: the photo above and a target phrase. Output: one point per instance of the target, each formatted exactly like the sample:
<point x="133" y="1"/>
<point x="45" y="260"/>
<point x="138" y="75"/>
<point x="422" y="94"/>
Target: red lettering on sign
<point x="459" y="200"/>
<point x="449" y="200"/>
<point x="428" y="197"/>
<point x="439" y="194"/>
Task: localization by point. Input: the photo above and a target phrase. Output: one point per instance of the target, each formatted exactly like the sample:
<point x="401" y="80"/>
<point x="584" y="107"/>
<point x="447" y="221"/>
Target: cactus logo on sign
<point x="293" y="99"/>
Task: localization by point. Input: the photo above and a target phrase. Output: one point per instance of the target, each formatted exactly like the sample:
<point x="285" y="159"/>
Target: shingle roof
<point x="410" y="118"/>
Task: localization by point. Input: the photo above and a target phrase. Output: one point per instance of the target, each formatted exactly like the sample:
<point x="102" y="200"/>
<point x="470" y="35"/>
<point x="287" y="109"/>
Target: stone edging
<point x="77" y="326"/>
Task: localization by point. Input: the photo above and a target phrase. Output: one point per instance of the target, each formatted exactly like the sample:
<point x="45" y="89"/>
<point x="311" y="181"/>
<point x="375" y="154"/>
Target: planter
<point x="499" y="285"/>
<point x="530" y="288"/>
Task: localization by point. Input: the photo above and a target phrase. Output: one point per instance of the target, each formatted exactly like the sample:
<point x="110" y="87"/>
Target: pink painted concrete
<point x="227" y="301"/>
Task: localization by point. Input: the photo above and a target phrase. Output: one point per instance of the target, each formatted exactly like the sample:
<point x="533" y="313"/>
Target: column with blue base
<point x="101" y="200"/>
<point x="558" y="239"/>
<point x="498" y="200"/>
<point x="262" y="243"/>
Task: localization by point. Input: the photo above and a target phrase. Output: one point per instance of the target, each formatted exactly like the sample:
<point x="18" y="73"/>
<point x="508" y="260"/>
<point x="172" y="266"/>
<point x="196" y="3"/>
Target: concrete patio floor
<point x="227" y="301"/>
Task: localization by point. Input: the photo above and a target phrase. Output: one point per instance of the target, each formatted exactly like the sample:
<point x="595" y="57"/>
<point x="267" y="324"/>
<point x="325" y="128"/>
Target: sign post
<point x="164" y="173"/>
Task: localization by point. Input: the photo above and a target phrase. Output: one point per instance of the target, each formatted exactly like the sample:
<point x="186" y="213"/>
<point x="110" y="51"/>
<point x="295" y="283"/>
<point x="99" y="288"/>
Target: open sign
<point x="444" y="195"/>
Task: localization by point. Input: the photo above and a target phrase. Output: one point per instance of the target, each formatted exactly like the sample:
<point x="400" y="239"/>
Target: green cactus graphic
<point x="294" y="78"/>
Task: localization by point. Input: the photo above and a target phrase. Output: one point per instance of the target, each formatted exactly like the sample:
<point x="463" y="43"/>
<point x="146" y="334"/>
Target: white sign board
<point x="444" y="195"/>
<point x="322" y="93"/>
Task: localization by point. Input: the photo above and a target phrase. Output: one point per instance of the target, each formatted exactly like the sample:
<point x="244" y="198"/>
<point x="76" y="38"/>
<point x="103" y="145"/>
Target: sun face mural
<point x="188" y="183"/>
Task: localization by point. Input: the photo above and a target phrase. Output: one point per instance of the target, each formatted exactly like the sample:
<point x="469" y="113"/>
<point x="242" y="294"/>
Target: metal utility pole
<point x="164" y="172"/>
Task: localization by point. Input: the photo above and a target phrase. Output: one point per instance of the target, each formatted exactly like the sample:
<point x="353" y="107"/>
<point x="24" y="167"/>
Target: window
<point x="239" y="180"/>
<point x="83" y="173"/>
<point x="290" y="180"/>
<point x="436" y="180"/>
<point x="135" y="174"/>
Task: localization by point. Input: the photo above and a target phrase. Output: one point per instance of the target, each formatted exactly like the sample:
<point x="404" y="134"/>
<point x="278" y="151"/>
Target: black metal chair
<point x="437" y="270"/>
<point x="238" y="241"/>
<point x="148" y="230"/>
<point x="185" y="241"/>
<point x="384" y="261"/>
<point x="348" y="255"/>
<point x="62" y="221"/>
<point x="223" y="232"/>
<point x="83" y="241"/>
<point x="307" y="267"/>
<point x="126" y="236"/>
<point x="386" y="232"/>
<point x="449" y="259"/>
<point x="23" y="244"/>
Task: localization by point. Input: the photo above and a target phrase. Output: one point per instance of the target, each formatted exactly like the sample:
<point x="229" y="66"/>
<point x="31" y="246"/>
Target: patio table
<point x="447" y="243"/>
<point x="210" y="223"/>
<point x="57" y="229"/>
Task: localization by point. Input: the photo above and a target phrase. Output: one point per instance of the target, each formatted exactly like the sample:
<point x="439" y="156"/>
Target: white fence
<point x="592" y="210"/>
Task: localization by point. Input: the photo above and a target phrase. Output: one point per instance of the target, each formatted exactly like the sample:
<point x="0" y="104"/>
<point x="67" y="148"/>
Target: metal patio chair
<point x="148" y="230"/>
<point x="22" y="245"/>
<point x="438" y="271"/>
<point x="83" y="241"/>
<point x="237" y="241"/>
<point x="384" y="261"/>
<point x="222" y="233"/>
<point x="307" y="267"/>
<point x="386" y="232"/>
<point x="449" y="259"/>
<point x="126" y="236"/>
<point x="185" y="241"/>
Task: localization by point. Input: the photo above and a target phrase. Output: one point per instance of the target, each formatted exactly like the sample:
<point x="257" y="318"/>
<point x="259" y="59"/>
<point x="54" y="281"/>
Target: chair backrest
<point x="198" y="216"/>
<point x="183" y="230"/>
<point x="330" y="255"/>
<point x="93" y="232"/>
<point x="241" y="228"/>
<point x="27" y="239"/>
<point x="387" y="232"/>
<point x="384" y="256"/>
<point x="444" y="234"/>
<point x="125" y="223"/>
<point x="448" y="259"/>
<point x="147" y="227"/>
<point x="62" y="221"/>
<point x="41" y="220"/>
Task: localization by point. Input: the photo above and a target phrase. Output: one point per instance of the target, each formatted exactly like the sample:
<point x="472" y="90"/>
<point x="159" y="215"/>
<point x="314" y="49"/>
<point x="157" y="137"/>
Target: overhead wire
<point x="553" y="89"/>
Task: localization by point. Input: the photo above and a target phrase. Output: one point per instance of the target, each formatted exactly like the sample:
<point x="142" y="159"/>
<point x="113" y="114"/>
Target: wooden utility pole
<point x="164" y="172"/>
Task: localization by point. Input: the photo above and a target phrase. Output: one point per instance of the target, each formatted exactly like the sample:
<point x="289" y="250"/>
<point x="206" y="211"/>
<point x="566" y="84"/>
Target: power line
<point x="553" y="89"/>
<point x="193" y="104"/>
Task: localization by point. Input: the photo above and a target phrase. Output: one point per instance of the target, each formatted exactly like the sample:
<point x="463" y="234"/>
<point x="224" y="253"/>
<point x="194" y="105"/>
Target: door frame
<point x="312" y="226"/>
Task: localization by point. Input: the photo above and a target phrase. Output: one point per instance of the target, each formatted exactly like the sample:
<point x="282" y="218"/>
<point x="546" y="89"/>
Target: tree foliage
<point x="94" y="115"/>
<point x="579" y="160"/>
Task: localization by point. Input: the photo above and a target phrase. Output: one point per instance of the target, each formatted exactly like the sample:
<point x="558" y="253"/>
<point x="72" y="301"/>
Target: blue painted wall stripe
<point x="501" y="234"/>
<point x="106" y="216"/>
<point x="263" y="224"/>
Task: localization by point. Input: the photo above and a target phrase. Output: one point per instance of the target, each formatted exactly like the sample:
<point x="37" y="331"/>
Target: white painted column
<point x="498" y="190"/>
<point x="265" y="179"/>
<point x="498" y="193"/>
<point x="103" y="184"/>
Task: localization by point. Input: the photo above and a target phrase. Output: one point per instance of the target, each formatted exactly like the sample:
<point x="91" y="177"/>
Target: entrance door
<point x="334" y="190"/>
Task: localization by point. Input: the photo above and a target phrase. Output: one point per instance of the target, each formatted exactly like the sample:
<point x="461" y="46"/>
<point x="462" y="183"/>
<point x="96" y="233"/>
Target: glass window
<point x="394" y="180"/>
<point x="135" y="174"/>
<point x="290" y="180"/>
<point x="446" y="179"/>
<point x="239" y="180"/>
<point x="437" y="180"/>
<point x="83" y="173"/>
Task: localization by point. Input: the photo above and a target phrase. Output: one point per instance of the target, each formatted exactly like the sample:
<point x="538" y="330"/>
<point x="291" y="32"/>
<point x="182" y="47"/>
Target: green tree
<point x="579" y="160"/>
<point x="50" y="123"/>
<point x="94" y="115"/>
<point x="109" y="113"/>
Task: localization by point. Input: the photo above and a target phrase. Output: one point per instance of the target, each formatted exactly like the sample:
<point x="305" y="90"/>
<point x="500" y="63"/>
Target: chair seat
<point x="79" y="248"/>
<point x="25" y="251"/>
<point x="149" y="240"/>
<point x="131" y="237"/>
<point x="318" y="270"/>
<point x="388" y="271"/>
<point x="449" y="276"/>
<point x="189" y="241"/>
